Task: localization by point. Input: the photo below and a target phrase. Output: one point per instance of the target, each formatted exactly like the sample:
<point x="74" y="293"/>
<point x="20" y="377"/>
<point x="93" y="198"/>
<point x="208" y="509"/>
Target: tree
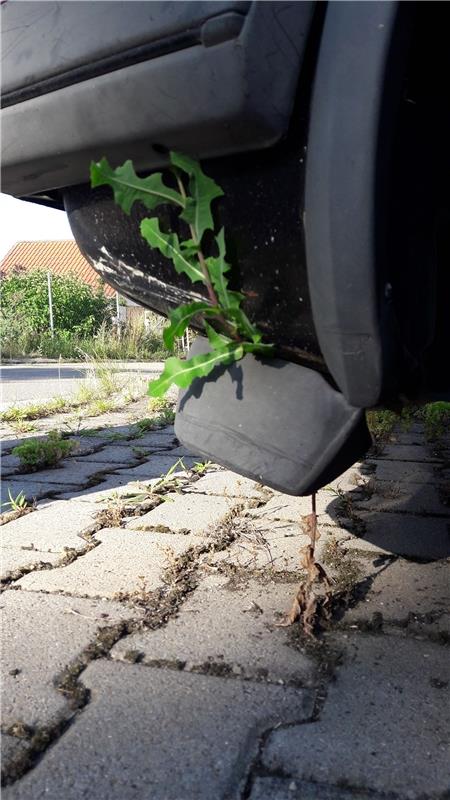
<point x="77" y="307"/>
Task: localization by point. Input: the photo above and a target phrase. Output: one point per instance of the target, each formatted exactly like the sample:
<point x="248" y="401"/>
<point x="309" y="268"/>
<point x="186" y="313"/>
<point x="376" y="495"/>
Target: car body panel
<point x="346" y="277"/>
<point x="215" y="96"/>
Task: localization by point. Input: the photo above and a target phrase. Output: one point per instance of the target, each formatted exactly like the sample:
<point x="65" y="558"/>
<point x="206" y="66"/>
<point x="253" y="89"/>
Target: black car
<point x="327" y="126"/>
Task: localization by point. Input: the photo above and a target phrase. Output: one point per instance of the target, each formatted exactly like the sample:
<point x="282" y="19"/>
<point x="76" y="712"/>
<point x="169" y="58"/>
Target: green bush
<point x="381" y="423"/>
<point x="78" y="312"/>
<point x="435" y="417"/>
<point x="76" y="306"/>
<point x="82" y="324"/>
<point x="39" y="453"/>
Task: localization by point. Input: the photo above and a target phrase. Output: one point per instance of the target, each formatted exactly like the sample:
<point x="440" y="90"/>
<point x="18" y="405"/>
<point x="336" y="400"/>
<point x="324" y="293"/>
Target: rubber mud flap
<point x="271" y="420"/>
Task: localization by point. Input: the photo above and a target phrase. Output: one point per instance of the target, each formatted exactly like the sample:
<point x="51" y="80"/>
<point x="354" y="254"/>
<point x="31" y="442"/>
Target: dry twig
<point x="314" y="593"/>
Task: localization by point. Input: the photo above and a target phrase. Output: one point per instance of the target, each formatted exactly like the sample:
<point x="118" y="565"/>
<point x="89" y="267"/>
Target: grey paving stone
<point x="14" y="560"/>
<point x="383" y="726"/>
<point x="329" y="510"/>
<point x="88" y="444"/>
<point x="289" y="789"/>
<point x="32" y="489"/>
<point x="112" y="487"/>
<point x="107" y="426"/>
<point x="425" y="538"/>
<point x="182" y="451"/>
<point x="229" y="630"/>
<point x="95" y="434"/>
<point x="41" y="635"/>
<point x="10" y="465"/>
<point x="354" y="476"/>
<point x="292" y="509"/>
<point x="111" y="454"/>
<point x="11" y="748"/>
<point x="156" y="466"/>
<point x="413" y="434"/>
<point x="268" y="544"/>
<point x="160" y="734"/>
<point x="405" y="471"/>
<point x="51" y="527"/>
<point x="70" y="471"/>
<point x="162" y="448"/>
<point x="158" y="438"/>
<point x="83" y="446"/>
<point x="409" y="498"/>
<point x="120" y="564"/>
<point x="229" y="484"/>
<point x="407" y="593"/>
<point x="409" y="452"/>
<point x="196" y="514"/>
<point x="111" y="422"/>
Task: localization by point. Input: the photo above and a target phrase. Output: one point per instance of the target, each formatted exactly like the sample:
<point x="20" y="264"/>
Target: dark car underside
<point x="327" y="127"/>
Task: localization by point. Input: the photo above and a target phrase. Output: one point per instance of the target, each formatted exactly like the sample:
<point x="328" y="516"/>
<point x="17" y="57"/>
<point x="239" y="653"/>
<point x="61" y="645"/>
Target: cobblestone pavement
<point x="141" y="655"/>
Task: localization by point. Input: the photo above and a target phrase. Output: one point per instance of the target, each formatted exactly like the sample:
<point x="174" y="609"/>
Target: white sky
<point x="22" y="221"/>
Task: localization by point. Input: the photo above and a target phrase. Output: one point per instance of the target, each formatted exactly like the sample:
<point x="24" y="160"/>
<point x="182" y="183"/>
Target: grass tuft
<point x="46" y="452"/>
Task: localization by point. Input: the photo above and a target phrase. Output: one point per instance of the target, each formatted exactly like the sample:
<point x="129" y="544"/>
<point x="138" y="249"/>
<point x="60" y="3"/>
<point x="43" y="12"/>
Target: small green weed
<point x="39" y="453"/>
<point x="164" y="408"/>
<point x="18" y="415"/>
<point x="87" y="432"/>
<point x="131" y="395"/>
<point x="17" y="503"/>
<point x="167" y="480"/>
<point x="85" y="394"/>
<point x="23" y="426"/>
<point x="131" y="496"/>
<point x="167" y="416"/>
<point x="116" y="437"/>
<point x="13" y="414"/>
<point x="147" y="424"/>
<point x="139" y="452"/>
<point x="200" y="467"/>
<point x="102" y="405"/>
<point x="437" y="418"/>
<point x="381" y="423"/>
<point x="159" y="404"/>
<point x="103" y="375"/>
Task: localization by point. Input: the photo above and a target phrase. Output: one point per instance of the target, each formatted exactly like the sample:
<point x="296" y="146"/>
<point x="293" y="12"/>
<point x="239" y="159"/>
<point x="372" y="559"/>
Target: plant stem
<point x="201" y="258"/>
<point x="313" y="509"/>
<point x="228" y="328"/>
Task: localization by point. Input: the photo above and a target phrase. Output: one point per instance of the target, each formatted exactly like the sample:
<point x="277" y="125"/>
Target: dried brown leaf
<point x="309" y="614"/>
<point x="309" y="563"/>
<point x="309" y="525"/>
<point x="313" y="596"/>
<point x="322" y="575"/>
<point x="295" y="611"/>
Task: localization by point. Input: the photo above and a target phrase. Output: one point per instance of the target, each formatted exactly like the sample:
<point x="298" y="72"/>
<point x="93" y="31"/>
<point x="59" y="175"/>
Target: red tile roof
<point x="59" y="257"/>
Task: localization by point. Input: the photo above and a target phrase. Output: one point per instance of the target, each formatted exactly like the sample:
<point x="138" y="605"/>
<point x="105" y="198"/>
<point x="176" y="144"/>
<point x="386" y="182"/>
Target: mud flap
<point x="271" y="420"/>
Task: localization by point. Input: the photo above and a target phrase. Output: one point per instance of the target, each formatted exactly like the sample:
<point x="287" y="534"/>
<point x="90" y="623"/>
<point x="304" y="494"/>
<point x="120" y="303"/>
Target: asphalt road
<point x="41" y="373"/>
<point x="22" y="383"/>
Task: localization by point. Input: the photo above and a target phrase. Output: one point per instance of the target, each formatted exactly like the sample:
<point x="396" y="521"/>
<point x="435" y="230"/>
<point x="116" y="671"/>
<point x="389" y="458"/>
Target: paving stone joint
<point x="143" y="647"/>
